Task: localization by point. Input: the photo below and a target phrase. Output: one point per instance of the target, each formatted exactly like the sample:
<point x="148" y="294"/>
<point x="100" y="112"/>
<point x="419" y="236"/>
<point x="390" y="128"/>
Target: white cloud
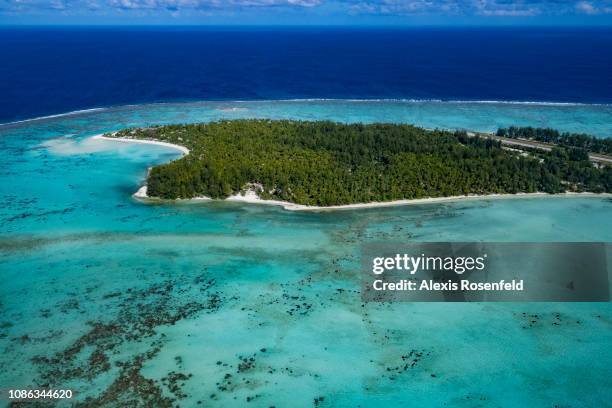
<point x="478" y="7"/>
<point x="508" y="8"/>
<point x="586" y="8"/>
<point x="206" y="4"/>
<point x="502" y="8"/>
<point x="151" y="4"/>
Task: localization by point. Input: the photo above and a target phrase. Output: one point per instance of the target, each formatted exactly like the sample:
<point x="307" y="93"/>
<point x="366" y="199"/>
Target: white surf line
<point x="54" y="116"/>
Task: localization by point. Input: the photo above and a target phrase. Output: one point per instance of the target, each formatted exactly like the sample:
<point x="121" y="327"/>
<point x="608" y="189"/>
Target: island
<point x="324" y="164"/>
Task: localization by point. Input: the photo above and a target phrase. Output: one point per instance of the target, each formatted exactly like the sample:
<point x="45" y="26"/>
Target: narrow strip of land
<point x="180" y="148"/>
<point x="532" y="144"/>
<point x="251" y="197"/>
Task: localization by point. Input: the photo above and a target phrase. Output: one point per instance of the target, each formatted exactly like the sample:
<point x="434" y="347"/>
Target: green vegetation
<point x="325" y="163"/>
<point x="547" y="135"/>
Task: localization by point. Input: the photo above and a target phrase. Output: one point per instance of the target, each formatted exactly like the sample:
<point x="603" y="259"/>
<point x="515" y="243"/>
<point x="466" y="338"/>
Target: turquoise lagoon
<point x="225" y="304"/>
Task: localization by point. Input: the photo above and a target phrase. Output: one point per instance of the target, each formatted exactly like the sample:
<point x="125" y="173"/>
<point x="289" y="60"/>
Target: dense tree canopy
<point x="326" y="163"/>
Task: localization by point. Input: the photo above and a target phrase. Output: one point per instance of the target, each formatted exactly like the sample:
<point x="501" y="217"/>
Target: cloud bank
<point x="481" y="7"/>
<point x="492" y="8"/>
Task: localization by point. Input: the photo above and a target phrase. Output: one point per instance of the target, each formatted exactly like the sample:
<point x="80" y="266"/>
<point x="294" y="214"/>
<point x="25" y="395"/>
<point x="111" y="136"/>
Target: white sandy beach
<point x="180" y="148"/>
<point x="250" y="196"/>
<point x="141" y="194"/>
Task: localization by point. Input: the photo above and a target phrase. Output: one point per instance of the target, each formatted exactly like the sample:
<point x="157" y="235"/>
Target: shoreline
<point x="180" y="148"/>
<point x="251" y="197"/>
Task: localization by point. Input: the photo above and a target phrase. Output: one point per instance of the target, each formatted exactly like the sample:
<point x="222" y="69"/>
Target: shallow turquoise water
<point x="100" y="293"/>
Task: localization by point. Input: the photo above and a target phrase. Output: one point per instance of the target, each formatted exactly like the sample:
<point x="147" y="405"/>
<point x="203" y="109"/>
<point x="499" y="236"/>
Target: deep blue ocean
<point x="46" y="71"/>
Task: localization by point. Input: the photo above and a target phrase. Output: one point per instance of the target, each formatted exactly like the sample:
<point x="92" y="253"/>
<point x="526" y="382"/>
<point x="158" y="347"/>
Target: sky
<point x="307" y="12"/>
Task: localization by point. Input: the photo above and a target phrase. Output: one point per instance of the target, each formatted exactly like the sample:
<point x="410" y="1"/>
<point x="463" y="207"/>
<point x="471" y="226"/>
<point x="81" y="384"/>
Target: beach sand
<point x="251" y="197"/>
<point x="180" y="148"/>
